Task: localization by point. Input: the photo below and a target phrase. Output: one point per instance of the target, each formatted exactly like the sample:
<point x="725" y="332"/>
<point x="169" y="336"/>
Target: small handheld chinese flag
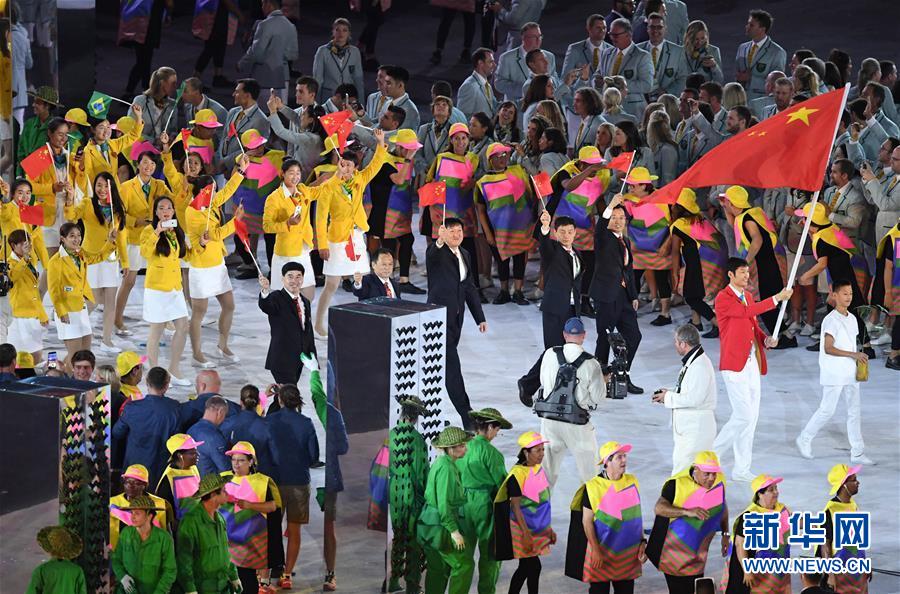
<point x="185" y="134"/>
<point x="203" y="198"/>
<point x="242" y="233"/>
<point x="232" y="131"/>
<point x="32" y="215"/>
<point x="622" y="162"/>
<point x="433" y="193"/>
<point x="332" y="122"/>
<point x="343" y="133"/>
<point x="542" y="184"/>
<point x="37" y="162"/>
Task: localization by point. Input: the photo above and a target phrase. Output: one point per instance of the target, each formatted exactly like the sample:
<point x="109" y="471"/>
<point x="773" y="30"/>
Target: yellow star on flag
<point x="801" y="114"/>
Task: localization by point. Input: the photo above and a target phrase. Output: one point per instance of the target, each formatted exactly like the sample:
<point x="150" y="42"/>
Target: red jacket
<point x="738" y="327"/>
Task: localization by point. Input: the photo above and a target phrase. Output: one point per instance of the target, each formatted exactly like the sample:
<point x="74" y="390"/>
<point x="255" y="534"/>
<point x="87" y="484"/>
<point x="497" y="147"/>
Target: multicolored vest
<point x="711" y="247"/>
<point x="889" y="248"/>
<point x="535" y="505"/>
<point x="184" y="483"/>
<point x="263" y="176"/>
<point x="687" y="541"/>
<point x="617" y="523"/>
<point x="847" y="583"/>
<point x="119" y="516"/>
<point x="379" y="490"/>
<point x="398" y="219"/>
<point x="767" y="583"/>
<point x="248" y="534"/>
<point x="579" y="203"/>
<point x="648" y="228"/>
<point x="835" y="237"/>
<point x="507" y="197"/>
<point x="455" y="170"/>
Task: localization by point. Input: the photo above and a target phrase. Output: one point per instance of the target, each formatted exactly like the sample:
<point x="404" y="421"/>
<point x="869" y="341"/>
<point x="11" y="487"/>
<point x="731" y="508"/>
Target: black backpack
<point x="560" y="404"/>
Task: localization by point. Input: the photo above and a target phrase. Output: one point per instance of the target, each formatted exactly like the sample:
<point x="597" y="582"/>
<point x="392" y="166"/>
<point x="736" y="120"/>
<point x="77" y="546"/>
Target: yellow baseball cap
<point x="407" y="139"/>
<point x="687" y="199"/>
<point x="458" y="128"/>
<point x="252" y="138"/>
<point x="738" y="196"/>
<point x="206" y="118"/>
<point x="124" y="124"/>
<point x="590" y="154"/>
<point x="128" y="360"/>
<point x="640" y="175"/>
<point x="611" y="448"/>
<point x="839" y="474"/>
<point x="182" y="441"/>
<point x="76" y="115"/>
<point x="242" y="447"/>
<point x="707" y="462"/>
<point x="763" y="481"/>
<point x="819" y="213"/>
<point x="137" y="472"/>
<point x="531" y="439"/>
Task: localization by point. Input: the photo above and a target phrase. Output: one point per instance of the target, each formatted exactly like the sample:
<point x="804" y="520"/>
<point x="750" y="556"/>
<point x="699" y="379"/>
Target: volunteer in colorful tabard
<point x="29" y="319"/>
<point x="606" y="544"/>
<point x="844" y="481"/>
<point x="181" y="477"/>
<point x="135" y="481"/>
<point x="144" y="560"/>
<point x="689" y="511"/>
<point x="887" y="262"/>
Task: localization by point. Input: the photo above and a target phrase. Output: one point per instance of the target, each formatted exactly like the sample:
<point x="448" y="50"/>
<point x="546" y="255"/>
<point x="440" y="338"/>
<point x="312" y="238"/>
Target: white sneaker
<point x="109" y="349"/>
<point x="883" y="339"/>
<point x="179" y="381"/>
<point x="805" y="447"/>
<point x="862" y="459"/>
<point x="807" y="330"/>
<point x="795" y="327"/>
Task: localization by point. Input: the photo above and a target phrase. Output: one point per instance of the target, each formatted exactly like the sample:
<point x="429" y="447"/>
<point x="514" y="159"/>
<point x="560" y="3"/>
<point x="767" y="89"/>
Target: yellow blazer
<point x="164" y="272"/>
<point x="95" y="232"/>
<point x="182" y="191"/>
<point x="195" y="222"/>
<point x="10" y="221"/>
<point x="42" y="188"/>
<point x="137" y="206"/>
<point x="95" y="162"/>
<point x="67" y="283"/>
<point x="24" y="297"/>
<point x="279" y="207"/>
<point x="337" y="213"/>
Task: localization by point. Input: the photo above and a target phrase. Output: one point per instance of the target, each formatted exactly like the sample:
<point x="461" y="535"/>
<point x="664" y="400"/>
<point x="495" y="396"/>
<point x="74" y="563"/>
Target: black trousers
<point x="700" y="306"/>
<point x="447" y="16"/>
<point x="468" y="244"/>
<point x="248" y="579"/>
<point x="287" y="376"/>
<point x="529" y="570"/>
<point x="553" y="327"/>
<point x="518" y="264"/>
<point x="588" y="260"/>
<point x="618" y="315"/>
<point x="681" y="584"/>
<point x="618" y="586"/>
<point x="214" y="47"/>
<point x="374" y="20"/>
<point x="406" y="251"/>
<point x="663" y="284"/>
<point x="895" y="335"/>
<point x="143" y="62"/>
<point x="456" y="386"/>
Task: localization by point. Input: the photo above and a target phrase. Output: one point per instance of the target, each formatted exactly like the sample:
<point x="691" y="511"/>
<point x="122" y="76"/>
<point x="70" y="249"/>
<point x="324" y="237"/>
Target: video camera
<point x="617" y="386"/>
<point x="5" y="282"/>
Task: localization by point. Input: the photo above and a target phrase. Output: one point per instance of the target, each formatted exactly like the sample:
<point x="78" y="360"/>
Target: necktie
<point x="679" y="132"/>
<point x="487" y="91"/>
<point x="834" y="200"/>
<point x="104" y="148"/>
<point x="743" y="299"/>
<point x="618" y="63"/>
<point x="299" y="310"/>
<point x="146" y="189"/>
<point x="462" y="266"/>
<point x="624" y="256"/>
<point x="387" y="290"/>
<point x="578" y="136"/>
<point x="596" y="59"/>
<point x="750" y="55"/>
<point x="381" y="101"/>
<point x="655" y="54"/>
<point x="893" y="182"/>
<point x="240" y="116"/>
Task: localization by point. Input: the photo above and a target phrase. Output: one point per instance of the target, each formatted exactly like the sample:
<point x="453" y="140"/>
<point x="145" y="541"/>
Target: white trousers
<point x="830" y="397"/>
<point x="580" y="440"/>
<point x="744" y="392"/>
<point x="693" y="431"/>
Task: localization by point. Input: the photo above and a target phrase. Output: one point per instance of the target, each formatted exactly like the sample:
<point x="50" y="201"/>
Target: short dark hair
<point x="592" y="99"/>
<point x="84" y="355"/>
<point x="275" y="3"/>
<point x="886" y="66"/>
<point x="215" y="403"/>
<point x="7" y="354"/>
<point x="291" y="266"/>
<point x="840" y="283"/>
<point x="441" y="88"/>
<point x="55" y="123"/>
<point x="857" y="107"/>
<point x="452" y="222"/>
<point x="556" y="140"/>
<point x="250" y="397"/>
<point x="562" y="221"/>
<point x="311" y="84"/>
<point x="67" y="227"/>
<point x="397" y="113"/>
<point x="480" y="55"/>
<point x="894" y="142"/>
<point x="692" y="91"/>
<point x="877" y="91"/>
<point x="397" y="73"/>
<point x="380" y="252"/>
<point x="802" y="54"/>
<point x="250" y="86"/>
<point x="530" y="56"/>
<point x="713" y="89"/>
<point x="157" y="378"/>
<point x="735" y="263"/>
<point x="16" y="237"/>
<point x="347" y="89"/>
<point x="288" y="163"/>
<point x="149" y="155"/>
<point x="290" y="397"/>
<point x="706" y="110"/>
<point x="844" y="166"/>
<point x="743" y="113"/>
<point x="693" y="81"/>
<point x="762" y="17"/>
<point x="620" y="207"/>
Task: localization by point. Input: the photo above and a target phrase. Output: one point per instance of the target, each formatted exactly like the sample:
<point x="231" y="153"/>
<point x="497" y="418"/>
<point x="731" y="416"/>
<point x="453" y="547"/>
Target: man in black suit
<point x="377" y="283"/>
<point x="290" y="326"/>
<point x="811" y="584"/>
<point x="451" y="283"/>
<point x="562" y="268"/>
<point x="612" y="288"/>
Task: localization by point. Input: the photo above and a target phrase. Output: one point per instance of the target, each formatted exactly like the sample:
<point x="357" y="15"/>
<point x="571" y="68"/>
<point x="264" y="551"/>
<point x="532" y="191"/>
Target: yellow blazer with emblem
<point x="164" y="272"/>
<point x="290" y="239"/>
<point x="42" y="188"/>
<point x="67" y="282"/>
<point x="94" y="161"/>
<point x="337" y="213"/>
<point x="11" y="221"/>
<point x="95" y="232"/>
<point x="137" y="206"/>
<point x="24" y="297"/>
<point x="195" y="222"/>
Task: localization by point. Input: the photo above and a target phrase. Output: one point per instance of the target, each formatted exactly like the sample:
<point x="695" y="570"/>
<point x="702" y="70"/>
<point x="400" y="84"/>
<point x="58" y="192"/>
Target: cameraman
<point x="589" y="390"/>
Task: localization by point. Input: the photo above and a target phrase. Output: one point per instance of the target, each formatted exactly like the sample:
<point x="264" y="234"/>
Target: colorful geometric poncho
<point x="248" y="534"/>
<point x="770" y="583"/>
<point x="454" y="171"/>
<point x="535" y="505"/>
<point x="183" y="484"/>
<point x="835" y="237"/>
<point x="889" y="249"/>
<point x="847" y="583"/>
<point x="648" y="228"/>
<point x="508" y="198"/>
<point x="379" y="490"/>
<point x="398" y="219"/>
<point x="687" y="541"/>
<point x="711" y="247"/>
<point x="579" y="203"/>
<point x="263" y="177"/>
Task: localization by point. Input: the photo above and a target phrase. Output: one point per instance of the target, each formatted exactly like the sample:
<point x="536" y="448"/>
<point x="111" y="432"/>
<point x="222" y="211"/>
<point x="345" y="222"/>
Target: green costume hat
<point x="490" y="414"/>
<point x="47" y="95"/>
<point x="142" y="502"/>
<point x="209" y="483"/>
<point x="451" y="436"/>
<point x="60" y="542"/>
<point x="413" y="402"/>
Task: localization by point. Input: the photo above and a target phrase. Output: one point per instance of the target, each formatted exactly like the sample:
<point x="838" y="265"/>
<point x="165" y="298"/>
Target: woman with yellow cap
<point x="648" y="228"/>
<point x="844" y="486"/>
<point x="606" y="538"/>
<point x="135" y="481"/>
<point x="253" y="518"/>
<point x="79" y="129"/>
<point x="443" y="529"/>
<point x="59" y="575"/>
<point x="689" y="511"/>
<point x="698" y="244"/>
<point x="765" y="501"/>
<point x="522" y="515"/>
<point x="181" y="476"/>
<point x="29" y="319"/>
<point x="101" y="152"/>
<point x="144" y="561"/>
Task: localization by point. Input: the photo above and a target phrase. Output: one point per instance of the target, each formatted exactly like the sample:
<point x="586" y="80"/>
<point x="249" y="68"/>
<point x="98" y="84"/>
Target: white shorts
<point x="135" y="260"/>
<point x="208" y="282"/>
<point x="163" y="306"/>
<point x="309" y="277"/>
<point x="103" y="275"/>
<point x="79" y="325"/>
<point x="26" y="334"/>
<point x="340" y="264"/>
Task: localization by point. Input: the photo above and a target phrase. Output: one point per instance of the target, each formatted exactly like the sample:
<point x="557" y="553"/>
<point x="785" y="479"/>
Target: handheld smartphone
<point x="170" y="224"/>
<point x="297" y="210"/>
<point x="52" y="360"/>
<point x="704" y="585"/>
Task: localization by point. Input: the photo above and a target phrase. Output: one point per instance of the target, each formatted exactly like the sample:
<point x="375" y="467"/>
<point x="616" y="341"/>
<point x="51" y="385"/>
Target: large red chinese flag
<point x="790" y="149"/>
<point x="433" y="193"/>
<point x="37" y="162"/>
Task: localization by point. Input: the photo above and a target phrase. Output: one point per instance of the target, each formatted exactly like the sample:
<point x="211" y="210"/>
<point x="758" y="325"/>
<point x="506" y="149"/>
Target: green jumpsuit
<point x="57" y="576"/>
<point x="408" y="472"/>
<point x="483" y="471"/>
<point x="150" y="563"/>
<point x="204" y="562"/>
<point x="442" y="515"/>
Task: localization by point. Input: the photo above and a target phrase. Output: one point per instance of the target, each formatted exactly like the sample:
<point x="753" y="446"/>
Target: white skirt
<point x="27" y="334"/>
<point x="163" y="306"/>
<point x="79" y="325"/>
<point x="309" y="276"/>
<point x="135" y="260"/>
<point x="208" y="282"/>
<point x="103" y="275"/>
<point x="340" y="264"/>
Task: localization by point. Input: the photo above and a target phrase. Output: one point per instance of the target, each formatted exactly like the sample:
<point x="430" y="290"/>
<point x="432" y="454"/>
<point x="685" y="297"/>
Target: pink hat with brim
<point x="531" y="439"/>
<point x="242" y="447"/>
<point x="191" y="444"/>
<point x="413" y="146"/>
<point x="498" y="148"/>
<point x="708" y="467"/>
<point x="612" y="448"/>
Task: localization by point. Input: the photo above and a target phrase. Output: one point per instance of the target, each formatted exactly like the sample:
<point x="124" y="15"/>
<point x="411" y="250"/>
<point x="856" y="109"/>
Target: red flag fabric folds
<point x="433" y="193"/>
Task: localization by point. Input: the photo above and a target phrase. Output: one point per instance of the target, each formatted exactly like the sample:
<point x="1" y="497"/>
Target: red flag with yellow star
<point x="790" y="149"/>
<point x="332" y="121"/>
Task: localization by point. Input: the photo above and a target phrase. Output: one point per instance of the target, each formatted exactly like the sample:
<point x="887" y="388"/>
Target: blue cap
<point x="574" y="326"/>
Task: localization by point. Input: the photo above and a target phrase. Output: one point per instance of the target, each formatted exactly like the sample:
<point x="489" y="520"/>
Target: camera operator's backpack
<point x="560" y="404"/>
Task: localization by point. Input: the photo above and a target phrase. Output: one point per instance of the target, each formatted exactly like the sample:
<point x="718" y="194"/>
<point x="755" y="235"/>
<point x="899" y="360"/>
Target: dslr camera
<point x="617" y="385"/>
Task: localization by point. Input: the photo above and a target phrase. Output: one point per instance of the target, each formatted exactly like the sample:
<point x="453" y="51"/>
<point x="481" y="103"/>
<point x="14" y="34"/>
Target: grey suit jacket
<point x="759" y="105"/>
<point x="412" y="112"/>
<point x="508" y="22"/>
<point x="512" y="72"/>
<point x="155" y="120"/>
<point x="870" y="139"/>
<point x="770" y="56"/>
<point x="696" y="64"/>
<point x="332" y="71"/>
<point x="375" y="106"/>
<point x="676" y="19"/>
<point x="885" y="196"/>
<point x="472" y="97"/>
<point x="581" y="53"/>
<point x="850" y="212"/>
<point x="229" y="148"/>
<point x="274" y="45"/>
<point x="588" y="132"/>
<point x="432" y="145"/>
<point x="637" y="68"/>
<point x="671" y="68"/>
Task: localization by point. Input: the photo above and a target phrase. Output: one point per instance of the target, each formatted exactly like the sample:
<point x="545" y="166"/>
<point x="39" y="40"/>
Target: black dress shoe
<point x="813" y="347"/>
<point x="699" y="326"/>
<point x="524" y="397"/>
<point x="519" y="298"/>
<point x="893" y="363"/>
<point x="410" y="288"/>
<point x="632" y="389"/>
<point x="713" y="333"/>
<point x="317" y="464"/>
<point x="587" y="310"/>
<point x="246" y="274"/>
<point x="502" y="298"/>
<point x="785" y="342"/>
<point x="435" y="58"/>
<point x="347" y="285"/>
<point x="320" y="280"/>
<point x="661" y="320"/>
<point x="482" y="297"/>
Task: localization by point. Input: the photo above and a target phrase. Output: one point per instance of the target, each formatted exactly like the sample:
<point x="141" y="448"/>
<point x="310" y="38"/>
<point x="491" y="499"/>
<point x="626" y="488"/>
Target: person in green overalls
<point x="59" y="575"/>
<point x="144" y="559"/>
<point x="442" y="523"/>
<point x="204" y="561"/>
<point x="482" y="470"/>
<point x="408" y="472"/>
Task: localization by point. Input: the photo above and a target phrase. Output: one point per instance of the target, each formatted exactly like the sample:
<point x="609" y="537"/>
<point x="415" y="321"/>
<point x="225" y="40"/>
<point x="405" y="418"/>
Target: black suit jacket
<point x="561" y="287"/>
<point x="287" y="338"/>
<point x="445" y="288"/>
<point x="371" y="286"/>
<point x="609" y="268"/>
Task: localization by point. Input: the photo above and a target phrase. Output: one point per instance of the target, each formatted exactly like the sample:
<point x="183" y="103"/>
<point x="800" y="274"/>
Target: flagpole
<point x="174" y="109"/>
<point x="209" y="209"/>
<point x="119" y="100"/>
<point x="627" y="171"/>
<point x="806" y="224"/>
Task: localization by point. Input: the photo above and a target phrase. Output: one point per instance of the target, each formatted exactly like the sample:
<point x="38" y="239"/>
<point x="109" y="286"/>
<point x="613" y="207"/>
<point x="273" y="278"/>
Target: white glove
<point x="127" y="583"/>
<point x="194" y="592"/>
<point x="236" y="586"/>
<point x="309" y="361"/>
<point x="458" y="541"/>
